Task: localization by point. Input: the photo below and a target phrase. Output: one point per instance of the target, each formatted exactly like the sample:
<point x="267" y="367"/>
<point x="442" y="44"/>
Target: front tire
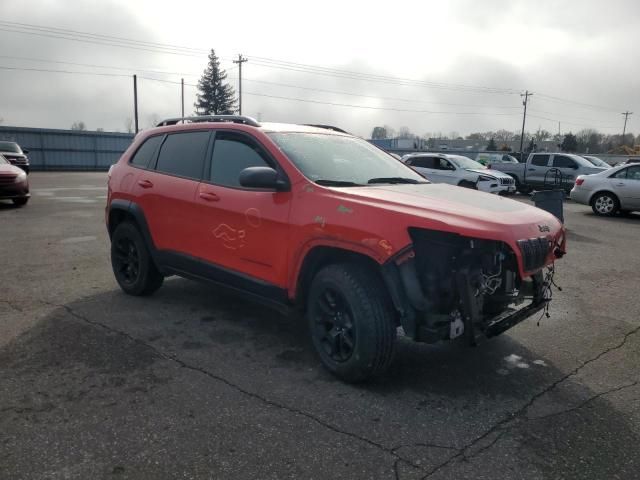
<point x="605" y="204"/>
<point x="467" y="184"/>
<point x="132" y="265"/>
<point x="20" y="202"/>
<point x="352" y="322"/>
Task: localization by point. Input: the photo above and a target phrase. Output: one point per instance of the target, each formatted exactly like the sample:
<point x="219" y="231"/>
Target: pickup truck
<point x="561" y="168"/>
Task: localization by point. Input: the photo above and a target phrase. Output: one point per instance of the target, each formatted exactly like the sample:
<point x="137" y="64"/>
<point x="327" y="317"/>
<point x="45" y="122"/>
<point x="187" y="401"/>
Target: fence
<point x="51" y="149"/>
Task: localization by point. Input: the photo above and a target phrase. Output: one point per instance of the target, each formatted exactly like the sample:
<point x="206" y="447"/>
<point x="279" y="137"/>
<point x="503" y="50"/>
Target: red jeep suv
<point x="312" y="218"/>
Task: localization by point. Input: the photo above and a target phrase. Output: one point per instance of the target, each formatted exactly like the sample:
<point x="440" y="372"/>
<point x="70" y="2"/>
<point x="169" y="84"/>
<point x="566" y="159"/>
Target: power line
<point x="101" y="74"/>
<point x="371" y="107"/>
<point x="572" y="102"/>
<point x="377" y="97"/>
<point x="93" y="65"/>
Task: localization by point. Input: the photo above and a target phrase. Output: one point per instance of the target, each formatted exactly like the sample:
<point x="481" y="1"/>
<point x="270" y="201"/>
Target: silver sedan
<point x="610" y="191"/>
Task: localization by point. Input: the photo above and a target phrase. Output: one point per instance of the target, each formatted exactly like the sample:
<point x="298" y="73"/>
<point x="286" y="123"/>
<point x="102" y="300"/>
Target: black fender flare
<point x="134" y="210"/>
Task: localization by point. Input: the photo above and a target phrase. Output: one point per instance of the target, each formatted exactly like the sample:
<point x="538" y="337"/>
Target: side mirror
<point x="263" y="177"/>
<point x="25" y="151"/>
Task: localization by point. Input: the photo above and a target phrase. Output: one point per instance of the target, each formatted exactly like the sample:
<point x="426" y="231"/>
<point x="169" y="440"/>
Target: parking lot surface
<point x="198" y="383"/>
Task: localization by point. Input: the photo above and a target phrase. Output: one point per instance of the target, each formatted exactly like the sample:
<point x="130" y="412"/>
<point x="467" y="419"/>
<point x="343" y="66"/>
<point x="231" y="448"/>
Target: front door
<point x="242" y="230"/>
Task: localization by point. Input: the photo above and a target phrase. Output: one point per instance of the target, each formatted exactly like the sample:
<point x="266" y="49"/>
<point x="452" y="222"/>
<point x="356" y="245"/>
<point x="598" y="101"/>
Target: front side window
<point x="232" y="153"/>
<point x="146" y="152"/>
<point x="326" y="158"/>
<point x="183" y="154"/>
<point x="540" y="160"/>
<point x="422" y="162"/>
<point x="560" y="161"/>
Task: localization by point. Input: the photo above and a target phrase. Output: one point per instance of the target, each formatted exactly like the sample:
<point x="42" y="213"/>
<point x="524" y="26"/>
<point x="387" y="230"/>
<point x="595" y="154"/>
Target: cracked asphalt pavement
<point x="194" y="382"/>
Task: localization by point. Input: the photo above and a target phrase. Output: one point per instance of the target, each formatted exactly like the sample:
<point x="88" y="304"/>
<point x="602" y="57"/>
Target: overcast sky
<point x="462" y="63"/>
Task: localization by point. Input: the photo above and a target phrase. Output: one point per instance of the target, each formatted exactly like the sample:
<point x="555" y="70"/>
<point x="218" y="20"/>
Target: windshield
<point x="351" y="161"/>
<point x="10" y="147"/>
<point x="465" y="162"/>
<point x="597" y="162"/>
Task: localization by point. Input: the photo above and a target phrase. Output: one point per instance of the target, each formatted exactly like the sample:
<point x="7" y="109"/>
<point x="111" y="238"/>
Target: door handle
<point x="531" y="169"/>
<point x="145" y="183"/>
<point x="619" y="184"/>
<point x="209" y="196"/>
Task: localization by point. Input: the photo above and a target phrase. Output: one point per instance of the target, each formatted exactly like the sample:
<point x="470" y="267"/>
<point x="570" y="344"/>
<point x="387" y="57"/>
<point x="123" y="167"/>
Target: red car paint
<point x="266" y="235"/>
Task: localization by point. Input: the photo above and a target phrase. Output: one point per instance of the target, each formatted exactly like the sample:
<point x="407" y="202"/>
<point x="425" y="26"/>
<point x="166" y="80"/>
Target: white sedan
<point x="460" y="170"/>
<point x="610" y="191"/>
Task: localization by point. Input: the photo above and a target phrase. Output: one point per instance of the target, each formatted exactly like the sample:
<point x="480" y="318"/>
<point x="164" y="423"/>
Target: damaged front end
<point x="447" y="286"/>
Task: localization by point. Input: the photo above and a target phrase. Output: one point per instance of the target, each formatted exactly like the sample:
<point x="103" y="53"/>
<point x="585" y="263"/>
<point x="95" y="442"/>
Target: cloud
<point x="571" y="50"/>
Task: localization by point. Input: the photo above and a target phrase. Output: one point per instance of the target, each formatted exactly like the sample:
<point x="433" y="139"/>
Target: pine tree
<point x="215" y="96"/>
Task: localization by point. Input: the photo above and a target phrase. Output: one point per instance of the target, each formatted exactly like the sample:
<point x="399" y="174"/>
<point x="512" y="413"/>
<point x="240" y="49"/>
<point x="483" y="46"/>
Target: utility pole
<point x="624" y="129"/>
<point x="240" y="61"/>
<point x="182" y="98"/>
<point x="526" y="96"/>
<point x="135" y="101"/>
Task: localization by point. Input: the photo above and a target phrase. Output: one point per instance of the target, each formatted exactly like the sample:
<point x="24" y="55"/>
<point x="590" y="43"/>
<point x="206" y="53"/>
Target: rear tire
<point x="605" y="204"/>
<point x="132" y="265"/>
<point x="20" y="202"/>
<point x="351" y="321"/>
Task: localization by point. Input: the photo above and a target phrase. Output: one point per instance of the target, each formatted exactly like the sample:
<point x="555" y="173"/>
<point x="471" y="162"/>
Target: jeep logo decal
<point x="544" y="228"/>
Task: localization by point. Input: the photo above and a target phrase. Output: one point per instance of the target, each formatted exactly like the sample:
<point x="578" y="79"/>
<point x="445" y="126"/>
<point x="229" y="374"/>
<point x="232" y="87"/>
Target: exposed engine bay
<point x="462" y="286"/>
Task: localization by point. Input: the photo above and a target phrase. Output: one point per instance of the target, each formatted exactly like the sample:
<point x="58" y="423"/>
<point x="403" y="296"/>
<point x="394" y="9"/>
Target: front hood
<point x="488" y="173"/>
<point x="459" y="210"/>
<point x="6" y="169"/>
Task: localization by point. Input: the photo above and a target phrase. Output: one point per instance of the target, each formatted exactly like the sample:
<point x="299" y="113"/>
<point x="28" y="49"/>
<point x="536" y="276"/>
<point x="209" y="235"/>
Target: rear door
<point x="567" y="167"/>
<point x="536" y="169"/>
<point x="242" y="230"/>
<point x="426" y="166"/>
<point x="167" y="189"/>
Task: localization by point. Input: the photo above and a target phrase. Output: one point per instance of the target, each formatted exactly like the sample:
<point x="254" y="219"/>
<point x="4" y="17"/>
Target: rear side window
<point x="560" y="161"/>
<point x="422" y="162"/>
<point x="540" y="160"/>
<point x="145" y="153"/>
<point x="631" y="173"/>
<point x="232" y="153"/>
<point x="183" y="154"/>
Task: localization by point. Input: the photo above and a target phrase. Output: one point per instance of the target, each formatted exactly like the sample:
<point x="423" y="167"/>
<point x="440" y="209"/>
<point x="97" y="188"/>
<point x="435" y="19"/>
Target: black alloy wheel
<point x="333" y="325"/>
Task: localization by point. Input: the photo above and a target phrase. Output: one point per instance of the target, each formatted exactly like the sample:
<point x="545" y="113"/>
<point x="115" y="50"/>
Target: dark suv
<point x="15" y="154"/>
<point x="312" y="218"/>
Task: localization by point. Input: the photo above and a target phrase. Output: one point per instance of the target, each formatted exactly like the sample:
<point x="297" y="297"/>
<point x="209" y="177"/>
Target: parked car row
<point x="14" y="168"/>
<point x="588" y="179"/>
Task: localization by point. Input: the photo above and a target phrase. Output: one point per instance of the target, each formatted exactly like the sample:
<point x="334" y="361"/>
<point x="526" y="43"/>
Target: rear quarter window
<point x="146" y="152"/>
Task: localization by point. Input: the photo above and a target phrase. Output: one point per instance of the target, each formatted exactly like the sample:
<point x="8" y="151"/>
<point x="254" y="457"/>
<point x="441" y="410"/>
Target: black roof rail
<point x="327" y="127"/>
<point x="210" y="118"/>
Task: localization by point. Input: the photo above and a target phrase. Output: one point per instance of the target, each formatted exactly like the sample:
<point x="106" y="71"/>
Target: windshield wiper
<point x="394" y="180"/>
<point x="337" y="183"/>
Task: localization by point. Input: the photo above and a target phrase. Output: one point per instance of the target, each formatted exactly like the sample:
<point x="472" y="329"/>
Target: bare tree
<point x="404" y="132"/>
<point x="78" y="126"/>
